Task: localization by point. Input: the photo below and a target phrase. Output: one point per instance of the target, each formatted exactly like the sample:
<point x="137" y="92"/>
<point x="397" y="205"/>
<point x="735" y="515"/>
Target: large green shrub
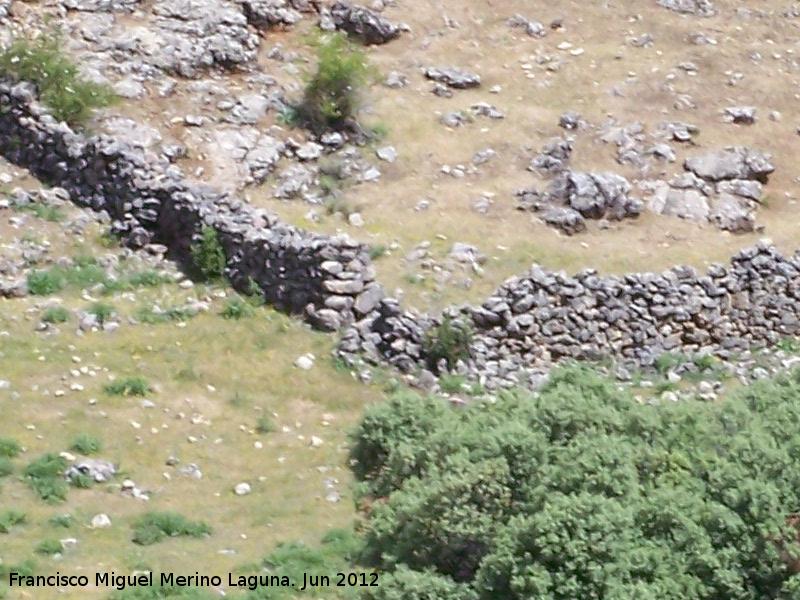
<point x="581" y="493"/>
<point x="333" y="94"/>
<point x="61" y="86"/>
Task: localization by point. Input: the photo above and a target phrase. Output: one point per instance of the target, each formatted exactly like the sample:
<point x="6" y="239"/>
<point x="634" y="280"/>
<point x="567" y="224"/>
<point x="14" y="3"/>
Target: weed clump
<point x="236" y="308"/>
<point x="449" y="342"/>
<point x="9" y="518"/>
<point x="55" y="315"/>
<point x="45" y="477"/>
<point x="265" y="424"/>
<point x="49" y="547"/>
<point x="9" y="448"/>
<point x="42" y="62"/>
<point x="153" y="527"/>
<point x="86" y="444"/>
<point x="129" y="386"/>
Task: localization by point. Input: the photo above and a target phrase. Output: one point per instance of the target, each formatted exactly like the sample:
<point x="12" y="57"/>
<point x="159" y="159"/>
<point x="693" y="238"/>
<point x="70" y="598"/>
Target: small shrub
<point x="86" y="444"/>
<point x="153" y="527"/>
<point x="451" y="384"/>
<point x="129" y="386"/>
<point x="46" y="282"/>
<point x="235" y="308"/>
<point x="163" y="592"/>
<point x="102" y="311"/>
<point x="45" y="477"/>
<point x="209" y="256"/>
<point x="333" y="94"/>
<point x="9" y="448"/>
<point x="49" y="547"/>
<point x="147" y="278"/>
<point x="64" y="521"/>
<point x="25" y="569"/>
<point x="704" y="361"/>
<point x="9" y="518"/>
<point x="6" y="466"/>
<point x="287" y="115"/>
<point x="668" y="361"/>
<point x="70" y="97"/>
<point x="265" y="423"/>
<point x="55" y="314"/>
<point x="449" y="341"/>
<point x="788" y="344"/>
<point x="337" y="204"/>
<point x="81" y="481"/>
<point x="376" y="252"/>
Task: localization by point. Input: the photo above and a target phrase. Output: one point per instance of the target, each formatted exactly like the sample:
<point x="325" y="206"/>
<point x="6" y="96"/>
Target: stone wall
<point x="329" y="279"/>
<point x="532" y="321"/>
<point x="529" y="323"/>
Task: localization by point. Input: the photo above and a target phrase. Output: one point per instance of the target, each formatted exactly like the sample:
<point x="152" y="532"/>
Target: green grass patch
<point x="142" y="279"/>
<point x="265" y="424"/>
<point x="86" y="444"/>
<point x="49" y="547"/>
<point x="6" y="466"/>
<point x="128" y="386"/>
<point x="55" y="314"/>
<point x="153" y="316"/>
<point x="9" y="448"/>
<point x="236" y="308"/>
<point x="45" y="477"/>
<point x="154" y="527"/>
<point x="64" y="521"/>
<point x="42" y="211"/>
<point x="61" y="87"/>
<point x="83" y="273"/>
<point x="102" y="311"/>
<point x="451" y="384"/>
<point x="162" y="592"/>
<point x="10" y="518"/>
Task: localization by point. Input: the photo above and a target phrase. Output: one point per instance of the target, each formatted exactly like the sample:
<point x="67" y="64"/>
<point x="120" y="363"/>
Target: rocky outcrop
<point x="701" y="8"/>
<point x="329" y="279"/>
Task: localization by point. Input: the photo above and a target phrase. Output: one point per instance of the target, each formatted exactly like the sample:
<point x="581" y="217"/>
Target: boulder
<point x="362" y="23"/>
<point x="453" y="77"/>
<point x="731" y="163"/>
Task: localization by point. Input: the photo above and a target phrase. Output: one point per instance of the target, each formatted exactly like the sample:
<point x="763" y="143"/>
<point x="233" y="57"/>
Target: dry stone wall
<point x="529" y="323"/>
<point x="329" y="279"/>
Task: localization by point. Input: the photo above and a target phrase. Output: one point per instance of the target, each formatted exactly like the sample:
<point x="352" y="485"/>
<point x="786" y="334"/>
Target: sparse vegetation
<point x="64" y="521"/>
<point x="209" y="256"/>
<point x="84" y="272"/>
<point x="42" y="211"/>
<point x="150" y="315"/>
<point x="154" y="527"/>
<point x="86" y="444"/>
<point x="128" y="386"/>
<point x="451" y="384"/>
<point x="42" y="61"/>
<point x="6" y="466"/>
<point x="45" y="476"/>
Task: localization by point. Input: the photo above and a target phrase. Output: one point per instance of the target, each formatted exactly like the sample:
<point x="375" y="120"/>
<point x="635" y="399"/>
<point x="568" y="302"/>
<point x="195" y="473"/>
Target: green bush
<point x="55" y="314"/>
<point x="9" y="448"/>
<point x="49" y="547"/>
<point x="208" y="256"/>
<point x="64" y="521"/>
<point x="42" y="62"/>
<point x="25" y="569"/>
<point x="449" y="341"/>
<point x="46" y="282"/>
<point x="153" y="527"/>
<point x="236" y="308"/>
<point x="6" y="466"/>
<point x="128" y="386"/>
<point x="45" y="476"/>
<point x="102" y="311"/>
<point x="9" y="518"/>
<point x="86" y="444"/>
<point x="581" y="493"/>
<point x="265" y="424"/>
<point x="332" y="96"/>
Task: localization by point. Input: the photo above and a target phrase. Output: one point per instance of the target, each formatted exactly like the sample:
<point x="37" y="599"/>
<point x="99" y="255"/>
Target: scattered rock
<point x="453" y="77"/>
<point x="362" y="23"/>
<point x="101" y="521"/>
<point x="242" y="489"/>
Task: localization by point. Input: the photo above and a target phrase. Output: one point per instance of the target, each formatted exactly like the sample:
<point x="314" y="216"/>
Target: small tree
<point x="208" y="255"/>
<point x="449" y="341"/>
<point x="333" y="94"/>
